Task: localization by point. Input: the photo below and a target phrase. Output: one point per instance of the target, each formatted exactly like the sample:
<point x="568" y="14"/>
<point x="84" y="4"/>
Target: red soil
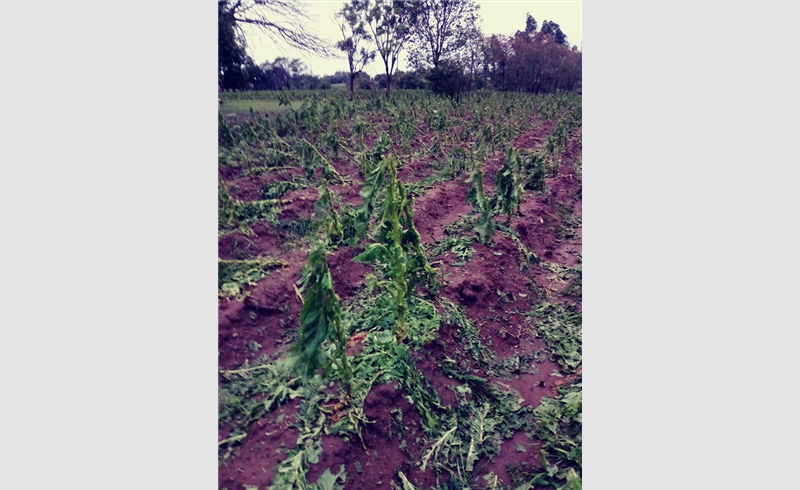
<point x="380" y="456"/>
<point x="442" y="205"/>
<point x="257" y="456"/>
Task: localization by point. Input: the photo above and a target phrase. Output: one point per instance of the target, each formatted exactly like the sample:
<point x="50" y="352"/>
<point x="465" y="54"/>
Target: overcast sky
<point x="498" y="17"/>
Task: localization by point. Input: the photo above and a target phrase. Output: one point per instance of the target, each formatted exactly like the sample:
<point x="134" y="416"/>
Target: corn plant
<point x="419" y="269"/>
<point x="225" y="133"/>
<point x="328" y="217"/>
<point x="398" y="242"/>
<point x="393" y="253"/>
<point x="360" y="129"/>
<point x="484" y="225"/>
<point x="457" y="162"/>
<point x="394" y="256"/>
<point x="227" y="209"/>
<point x="397" y="208"/>
<point x="533" y="164"/>
<point x="436" y="148"/>
<point x="309" y="117"/>
<point x="321" y="320"/>
<point x="489" y="136"/>
<point x="312" y="159"/>
<point x="508" y="185"/>
<point x="332" y="141"/>
<point x="370" y="159"/>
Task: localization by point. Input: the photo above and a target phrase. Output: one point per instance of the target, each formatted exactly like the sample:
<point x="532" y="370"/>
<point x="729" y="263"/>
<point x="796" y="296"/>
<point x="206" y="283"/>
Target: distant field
<point x="262" y="106"/>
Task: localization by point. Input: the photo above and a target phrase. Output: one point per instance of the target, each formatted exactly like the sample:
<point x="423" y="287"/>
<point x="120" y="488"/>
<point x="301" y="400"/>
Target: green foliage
<point x="226" y="208"/>
<point x="290" y="474"/>
<point x="312" y="160"/>
<point x="533" y="165"/>
<point x="448" y="79"/>
<point x="485" y="416"/>
<point x="332" y="141"/>
<point x="481" y="428"/>
<point x="396" y="259"/>
<point x="330" y="222"/>
<point x="398" y="242"/>
<point x="283" y="98"/>
<point x="225" y="134"/>
<point x="370" y="190"/>
<point x="484" y="225"/>
<point x="233" y="276"/>
<point x="252" y="392"/>
<point x="559" y="426"/>
<point x="278" y="189"/>
<point x="330" y="481"/>
<point x="460" y="246"/>
<point x="360" y="128"/>
<point x="294" y="231"/>
<point x="489" y="136"/>
<point x="383" y="360"/>
<point x="379" y="313"/>
<point x="527" y="256"/>
<point x="419" y="188"/>
<point x="321" y="320"/>
<point x="406" y="484"/>
<point x="470" y="342"/>
<point x="560" y="327"/>
<point x="249" y="211"/>
<point x="457" y="162"/>
<point x="508" y="184"/>
<point x="231" y="48"/>
<point x="372" y="158"/>
<point x="436" y="120"/>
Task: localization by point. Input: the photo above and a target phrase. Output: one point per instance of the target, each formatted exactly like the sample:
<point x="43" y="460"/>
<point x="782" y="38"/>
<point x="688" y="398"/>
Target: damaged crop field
<point x="400" y="292"/>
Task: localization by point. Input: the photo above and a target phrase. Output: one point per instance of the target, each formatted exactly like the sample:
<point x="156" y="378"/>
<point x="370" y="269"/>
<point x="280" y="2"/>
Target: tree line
<point x="446" y="50"/>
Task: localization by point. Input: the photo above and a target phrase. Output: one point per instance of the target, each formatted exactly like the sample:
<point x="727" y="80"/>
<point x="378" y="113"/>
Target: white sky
<point x="499" y="17"/>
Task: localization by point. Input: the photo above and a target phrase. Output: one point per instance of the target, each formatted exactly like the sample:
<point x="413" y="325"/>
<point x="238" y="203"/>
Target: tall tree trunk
<point x="352" y="82"/>
<point x="472" y="71"/>
<point x="389" y="65"/>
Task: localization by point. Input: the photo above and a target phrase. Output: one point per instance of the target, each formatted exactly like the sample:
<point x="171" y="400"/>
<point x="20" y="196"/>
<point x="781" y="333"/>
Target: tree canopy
<point x="442" y="29"/>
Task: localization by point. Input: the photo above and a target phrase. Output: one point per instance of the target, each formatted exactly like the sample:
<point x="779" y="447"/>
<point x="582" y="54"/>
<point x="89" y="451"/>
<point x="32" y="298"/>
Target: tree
<point x="533" y="62"/>
<point x="285" y="71"/>
<point x="297" y="67"/>
<point x="356" y="41"/>
<point x="530" y="24"/>
<point x="232" y="55"/>
<point x="391" y="23"/>
<point x="443" y="28"/>
<point x="472" y="56"/>
<point x="550" y="28"/>
<point x="448" y="79"/>
<point x="280" y="70"/>
<point x="278" y="19"/>
<point x="497" y="56"/>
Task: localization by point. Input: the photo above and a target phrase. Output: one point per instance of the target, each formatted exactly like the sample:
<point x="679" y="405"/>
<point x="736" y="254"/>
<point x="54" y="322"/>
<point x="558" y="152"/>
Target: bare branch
<point x="281" y="20"/>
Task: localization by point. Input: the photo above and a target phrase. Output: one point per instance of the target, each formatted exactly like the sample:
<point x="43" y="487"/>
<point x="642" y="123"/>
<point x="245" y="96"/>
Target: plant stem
<point x="399" y="266"/>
